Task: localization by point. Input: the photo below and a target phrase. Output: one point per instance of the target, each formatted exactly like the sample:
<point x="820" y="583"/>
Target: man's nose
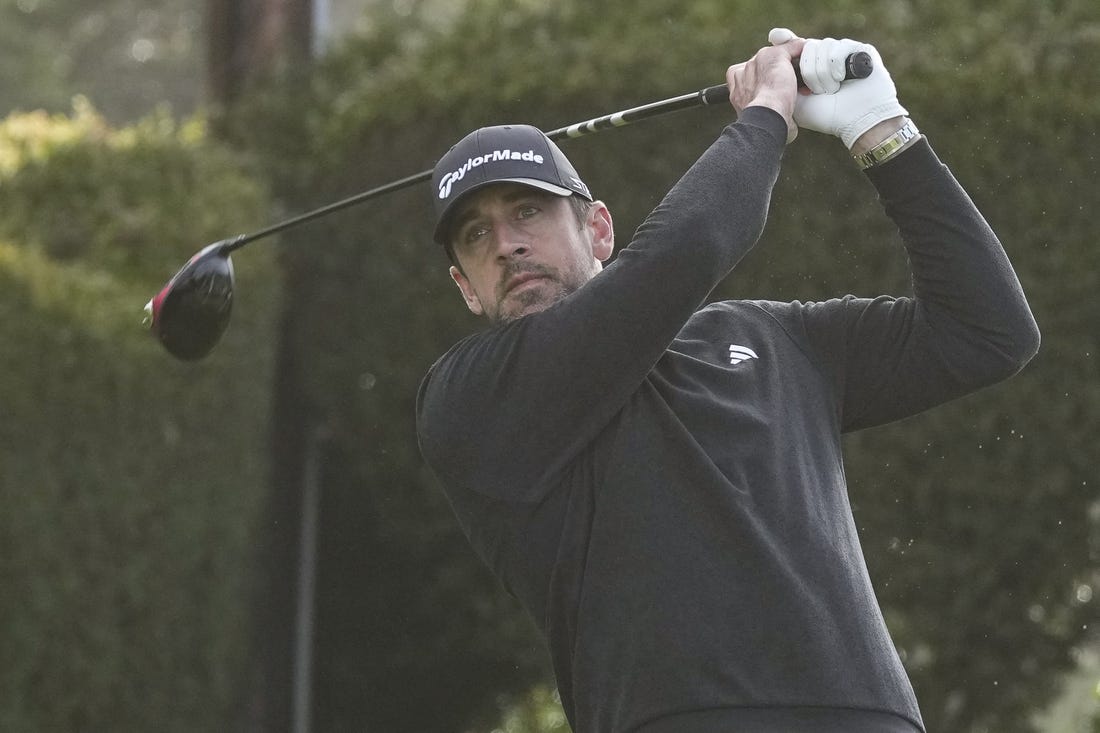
<point x="511" y="241"/>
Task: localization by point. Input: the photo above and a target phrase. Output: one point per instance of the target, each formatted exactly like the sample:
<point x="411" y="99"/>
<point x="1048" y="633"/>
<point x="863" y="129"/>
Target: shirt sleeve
<point x="505" y="410"/>
<point x="967" y="324"/>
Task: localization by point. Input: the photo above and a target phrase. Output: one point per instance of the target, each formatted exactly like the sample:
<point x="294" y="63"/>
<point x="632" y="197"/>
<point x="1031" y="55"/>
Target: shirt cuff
<point x="917" y="162"/>
<point x="767" y="119"/>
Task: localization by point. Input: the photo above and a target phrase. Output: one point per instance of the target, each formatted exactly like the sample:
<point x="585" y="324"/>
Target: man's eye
<point x="526" y="212"/>
<point x="474" y="233"/>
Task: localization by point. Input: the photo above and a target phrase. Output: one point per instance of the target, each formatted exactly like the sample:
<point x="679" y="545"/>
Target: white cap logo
<point x="497" y="155"/>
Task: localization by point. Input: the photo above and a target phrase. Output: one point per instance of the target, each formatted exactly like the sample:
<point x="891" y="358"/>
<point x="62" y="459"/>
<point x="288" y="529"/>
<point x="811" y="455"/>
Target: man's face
<point x="521" y="249"/>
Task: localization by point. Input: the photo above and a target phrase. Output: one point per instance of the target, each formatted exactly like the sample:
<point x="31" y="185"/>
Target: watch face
<point x="888" y="147"/>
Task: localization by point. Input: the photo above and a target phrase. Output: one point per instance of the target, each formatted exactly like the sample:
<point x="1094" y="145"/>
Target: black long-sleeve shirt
<point x="660" y="483"/>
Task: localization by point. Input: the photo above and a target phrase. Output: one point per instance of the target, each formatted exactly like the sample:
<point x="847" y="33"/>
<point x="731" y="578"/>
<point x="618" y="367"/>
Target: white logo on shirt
<point x="739" y="354"/>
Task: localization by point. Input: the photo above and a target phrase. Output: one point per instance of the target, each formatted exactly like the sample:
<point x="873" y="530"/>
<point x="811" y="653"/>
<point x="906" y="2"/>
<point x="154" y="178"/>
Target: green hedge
<point x="128" y="199"/>
<point x="131" y="483"/>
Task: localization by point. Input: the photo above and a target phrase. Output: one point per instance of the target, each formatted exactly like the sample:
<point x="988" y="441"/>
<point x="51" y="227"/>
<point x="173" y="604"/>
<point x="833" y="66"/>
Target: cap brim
<point x="452" y="207"/>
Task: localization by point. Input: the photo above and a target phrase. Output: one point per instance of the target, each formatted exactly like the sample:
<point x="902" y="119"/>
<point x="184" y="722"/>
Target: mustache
<point x="514" y="268"/>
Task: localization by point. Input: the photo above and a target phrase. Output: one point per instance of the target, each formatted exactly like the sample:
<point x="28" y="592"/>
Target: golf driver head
<point x="190" y="313"/>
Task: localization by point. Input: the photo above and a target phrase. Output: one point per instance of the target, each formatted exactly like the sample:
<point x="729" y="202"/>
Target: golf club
<point x="191" y="312"/>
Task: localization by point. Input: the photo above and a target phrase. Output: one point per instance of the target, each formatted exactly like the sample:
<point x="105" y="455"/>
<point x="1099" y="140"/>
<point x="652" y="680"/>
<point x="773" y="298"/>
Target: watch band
<point x="888" y="147"/>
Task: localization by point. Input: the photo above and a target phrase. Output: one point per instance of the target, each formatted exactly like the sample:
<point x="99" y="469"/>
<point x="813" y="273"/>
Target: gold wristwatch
<point x="888" y="147"/>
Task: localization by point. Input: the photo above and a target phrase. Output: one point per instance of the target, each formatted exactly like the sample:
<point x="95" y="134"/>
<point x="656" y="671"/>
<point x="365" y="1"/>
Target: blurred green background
<point x="160" y="566"/>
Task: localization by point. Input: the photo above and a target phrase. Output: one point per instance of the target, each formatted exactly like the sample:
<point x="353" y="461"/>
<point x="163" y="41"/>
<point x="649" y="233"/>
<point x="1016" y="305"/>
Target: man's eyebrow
<point x="467" y="212"/>
<point x="464" y="215"/>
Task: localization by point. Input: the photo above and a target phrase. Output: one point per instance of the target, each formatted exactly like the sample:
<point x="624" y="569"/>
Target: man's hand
<point x="847" y="110"/>
<point x="768" y="80"/>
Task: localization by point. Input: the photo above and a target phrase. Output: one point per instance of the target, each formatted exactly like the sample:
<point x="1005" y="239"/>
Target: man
<point x="660" y="483"/>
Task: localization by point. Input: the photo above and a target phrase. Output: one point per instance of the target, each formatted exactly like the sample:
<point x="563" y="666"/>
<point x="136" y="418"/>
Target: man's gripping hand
<point x="767" y="80"/>
<point x="845" y="110"/>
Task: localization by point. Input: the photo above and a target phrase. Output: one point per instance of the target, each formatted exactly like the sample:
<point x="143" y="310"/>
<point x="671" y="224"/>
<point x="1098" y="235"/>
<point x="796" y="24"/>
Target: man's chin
<point x="515" y="313"/>
<point x="528" y="300"/>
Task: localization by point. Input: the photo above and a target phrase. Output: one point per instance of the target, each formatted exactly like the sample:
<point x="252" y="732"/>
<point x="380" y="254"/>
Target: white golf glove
<point x="845" y="110"/>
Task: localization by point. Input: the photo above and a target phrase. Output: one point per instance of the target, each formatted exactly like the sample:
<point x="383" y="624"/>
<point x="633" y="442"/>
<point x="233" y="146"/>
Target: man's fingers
<point x="784" y="40"/>
<point x="767" y="80"/>
<point x="779" y="36"/>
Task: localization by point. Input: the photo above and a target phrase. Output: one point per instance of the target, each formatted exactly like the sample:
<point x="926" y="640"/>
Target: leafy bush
<point x="75" y="188"/>
<point x="131" y="484"/>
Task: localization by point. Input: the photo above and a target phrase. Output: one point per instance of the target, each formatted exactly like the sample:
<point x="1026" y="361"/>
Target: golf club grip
<point x="858" y="65"/>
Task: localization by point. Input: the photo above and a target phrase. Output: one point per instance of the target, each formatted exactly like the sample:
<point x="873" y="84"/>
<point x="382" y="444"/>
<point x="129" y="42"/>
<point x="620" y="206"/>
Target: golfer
<point x="660" y="481"/>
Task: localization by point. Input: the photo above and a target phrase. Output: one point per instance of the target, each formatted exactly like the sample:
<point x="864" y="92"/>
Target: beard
<point x="551" y="288"/>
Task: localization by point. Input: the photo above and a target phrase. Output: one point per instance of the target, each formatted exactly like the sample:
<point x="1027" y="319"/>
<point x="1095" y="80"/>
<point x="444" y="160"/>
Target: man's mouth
<point x="518" y="281"/>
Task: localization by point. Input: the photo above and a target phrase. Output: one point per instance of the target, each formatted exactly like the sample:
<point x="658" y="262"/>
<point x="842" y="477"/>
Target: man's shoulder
<point x="795" y="320"/>
<point x="776" y="309"/>
<point x="742" y="322"/>
<point x="751" y="308"/>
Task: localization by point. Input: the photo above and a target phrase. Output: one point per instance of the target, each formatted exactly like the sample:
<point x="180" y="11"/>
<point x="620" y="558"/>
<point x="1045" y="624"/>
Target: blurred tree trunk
<point x="250" y="43"/>
<point x="252" y="40"/>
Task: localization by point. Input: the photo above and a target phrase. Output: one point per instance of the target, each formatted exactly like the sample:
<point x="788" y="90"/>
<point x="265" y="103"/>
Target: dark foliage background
<point x="979" y="520"/>
<point x="149" y="542"/>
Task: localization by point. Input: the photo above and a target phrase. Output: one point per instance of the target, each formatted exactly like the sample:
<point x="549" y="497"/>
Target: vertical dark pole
<point x="302" y="675"/>
<point x="248" y="42"/>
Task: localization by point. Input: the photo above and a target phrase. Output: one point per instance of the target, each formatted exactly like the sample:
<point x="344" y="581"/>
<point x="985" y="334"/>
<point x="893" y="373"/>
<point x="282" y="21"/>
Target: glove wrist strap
<point x="889" y="147"/>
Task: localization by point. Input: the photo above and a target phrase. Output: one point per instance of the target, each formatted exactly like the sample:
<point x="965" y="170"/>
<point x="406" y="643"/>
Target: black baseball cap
<point x="500" y="154"/>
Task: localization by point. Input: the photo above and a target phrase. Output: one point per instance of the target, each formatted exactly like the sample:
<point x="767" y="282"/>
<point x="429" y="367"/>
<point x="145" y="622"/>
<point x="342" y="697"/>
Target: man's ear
<point x="468" y="294"/>
<point x="602" y="229"/>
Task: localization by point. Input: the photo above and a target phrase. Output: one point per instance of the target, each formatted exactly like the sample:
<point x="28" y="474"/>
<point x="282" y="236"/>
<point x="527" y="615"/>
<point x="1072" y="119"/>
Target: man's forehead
<point x="506" y="192"/>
